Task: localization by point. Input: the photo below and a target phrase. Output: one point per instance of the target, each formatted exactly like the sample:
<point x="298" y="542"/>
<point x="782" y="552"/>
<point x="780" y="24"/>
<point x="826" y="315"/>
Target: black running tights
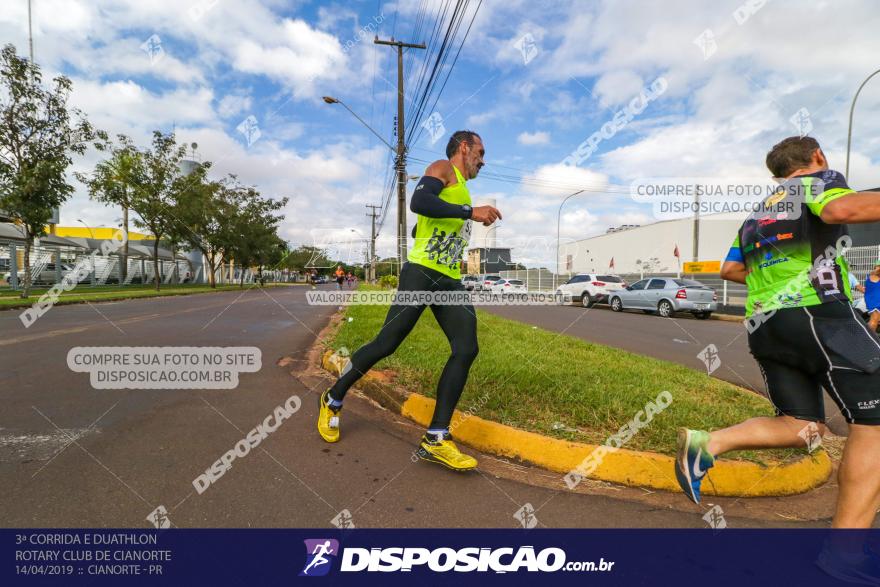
<point x="458" y="322"/>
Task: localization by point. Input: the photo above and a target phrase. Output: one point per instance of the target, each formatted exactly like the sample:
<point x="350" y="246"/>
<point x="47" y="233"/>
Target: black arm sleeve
<point x="426" y="201"/>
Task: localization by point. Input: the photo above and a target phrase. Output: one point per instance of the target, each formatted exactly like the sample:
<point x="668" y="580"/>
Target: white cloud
<point x="533" y="138"/>
<point x="126" y="107"/>
<point x="233" y="104"/>
<point x="302" y="55"/>
<point x="482" y="118"/>
<point x="557" y="179"/>
<point x="616" y="86"/>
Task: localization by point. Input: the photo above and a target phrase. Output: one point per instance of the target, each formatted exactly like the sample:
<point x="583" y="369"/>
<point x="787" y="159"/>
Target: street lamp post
<point x="332" y="100"/>
<point x="851" y="111"/>
<point x="558" y="227"/>
<point x="89" y="228"/>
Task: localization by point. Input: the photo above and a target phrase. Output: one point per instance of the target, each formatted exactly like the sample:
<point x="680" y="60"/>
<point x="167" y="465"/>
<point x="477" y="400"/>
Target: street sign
<point x="702" y="267"/>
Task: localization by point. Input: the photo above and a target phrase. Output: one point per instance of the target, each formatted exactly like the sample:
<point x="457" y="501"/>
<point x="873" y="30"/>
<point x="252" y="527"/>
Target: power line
<point x="429" y="55"/>
<point x="439" y="61"/>
<point x="451" y="67"/>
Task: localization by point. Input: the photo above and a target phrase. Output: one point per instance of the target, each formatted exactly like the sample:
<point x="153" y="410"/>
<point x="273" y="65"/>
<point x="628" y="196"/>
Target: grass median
<point x="9" y="298"/>
<point x="561" y="386"/>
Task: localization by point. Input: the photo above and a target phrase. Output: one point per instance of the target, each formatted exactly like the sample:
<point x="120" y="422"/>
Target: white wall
<point x="653" y="240"/>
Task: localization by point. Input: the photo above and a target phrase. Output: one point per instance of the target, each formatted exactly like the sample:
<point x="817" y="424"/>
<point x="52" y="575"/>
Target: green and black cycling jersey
<point x="793" y="258"/>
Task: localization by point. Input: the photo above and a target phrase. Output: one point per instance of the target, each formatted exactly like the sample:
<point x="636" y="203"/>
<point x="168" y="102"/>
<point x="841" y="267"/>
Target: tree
<point x="306" y="257"/>
<point x="387" y="266"/>
<point x="270" y="253"/>
<point x="158" y="190"/>
<point x="113" y="179"/>
<point x="255" y="226"/>
<point x="39" y="134"/>
<point x="203" y="216"/>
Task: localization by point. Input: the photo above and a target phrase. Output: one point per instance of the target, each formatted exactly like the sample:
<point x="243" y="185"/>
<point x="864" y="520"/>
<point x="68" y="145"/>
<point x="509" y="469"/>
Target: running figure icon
<point x="319" y="559"/>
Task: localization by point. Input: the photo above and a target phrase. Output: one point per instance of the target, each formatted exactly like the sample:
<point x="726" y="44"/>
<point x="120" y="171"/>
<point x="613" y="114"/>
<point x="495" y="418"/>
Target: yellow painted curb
<point x="626" y="467"/>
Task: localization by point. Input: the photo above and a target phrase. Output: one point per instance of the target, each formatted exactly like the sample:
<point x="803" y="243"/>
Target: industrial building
<point x="484" y="255"/>
<point x="651" y="248"/>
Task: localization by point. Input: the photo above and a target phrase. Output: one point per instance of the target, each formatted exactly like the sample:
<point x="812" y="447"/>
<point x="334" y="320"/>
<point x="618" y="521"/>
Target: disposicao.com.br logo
<point x="443" y="560"/>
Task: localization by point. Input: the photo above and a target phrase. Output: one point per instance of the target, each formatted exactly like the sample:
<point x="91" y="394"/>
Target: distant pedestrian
<point x="872" y="296"/>
<point x="855" y="286"/>
<point x="340" y="276"/>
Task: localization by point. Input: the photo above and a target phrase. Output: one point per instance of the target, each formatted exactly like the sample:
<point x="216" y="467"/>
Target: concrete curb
<point x="727" y="318"/>
<point x="623" y="466"/>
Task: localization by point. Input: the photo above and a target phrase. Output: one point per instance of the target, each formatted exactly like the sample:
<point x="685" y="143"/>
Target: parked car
<point x="470" y="281"/>
<point x="667" y="296"/>
<point x="590" y="288"/>
<point x="507" y="286"/>
<point x="486" y="282"/>
<point x="45" y="277"/>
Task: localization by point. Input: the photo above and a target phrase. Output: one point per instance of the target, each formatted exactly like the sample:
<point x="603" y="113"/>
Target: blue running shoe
<point x="692" y="461"/>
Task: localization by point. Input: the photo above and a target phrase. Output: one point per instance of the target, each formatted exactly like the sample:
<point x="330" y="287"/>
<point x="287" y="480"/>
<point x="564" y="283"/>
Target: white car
<point x="590" y="288"/>
<point x="507" y="286"/>
<point x="470" y="281"/>
<point x="486" y="281"/>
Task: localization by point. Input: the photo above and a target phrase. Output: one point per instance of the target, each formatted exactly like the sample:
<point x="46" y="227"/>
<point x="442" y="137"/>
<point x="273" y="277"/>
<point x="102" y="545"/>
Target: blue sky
<point x="726" y="102"/>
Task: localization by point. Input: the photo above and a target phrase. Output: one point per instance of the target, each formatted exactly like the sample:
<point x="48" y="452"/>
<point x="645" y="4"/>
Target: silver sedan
<point x="666" y="296"/>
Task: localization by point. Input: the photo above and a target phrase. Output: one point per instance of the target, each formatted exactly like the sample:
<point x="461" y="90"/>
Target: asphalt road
<point x="681" y="339"/>
<point x="73" y="456"/>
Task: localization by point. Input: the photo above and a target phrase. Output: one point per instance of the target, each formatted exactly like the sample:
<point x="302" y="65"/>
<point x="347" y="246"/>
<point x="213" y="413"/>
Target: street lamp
<point x="87" y="227"/>
<point x="399" y="165"/>
<point x="849" y="130"/>
<point x="332" y="100"/>
<point x="558" y="228"/>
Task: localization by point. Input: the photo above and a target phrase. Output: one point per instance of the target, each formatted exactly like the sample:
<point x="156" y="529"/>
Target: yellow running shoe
<point x="328" y="419"/>
<point x="446" y="453"/>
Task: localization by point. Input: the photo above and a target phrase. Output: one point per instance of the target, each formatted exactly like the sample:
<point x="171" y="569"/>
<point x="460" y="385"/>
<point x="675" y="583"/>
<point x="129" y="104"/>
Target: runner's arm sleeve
<point x="831" y="186"/>
<point x="734" y="267"/>
<point x="735" y="252"/>
<point x="426" y="201"/>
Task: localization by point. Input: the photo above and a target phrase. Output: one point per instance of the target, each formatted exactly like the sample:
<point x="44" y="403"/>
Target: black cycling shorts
<point x="803" y="350"/>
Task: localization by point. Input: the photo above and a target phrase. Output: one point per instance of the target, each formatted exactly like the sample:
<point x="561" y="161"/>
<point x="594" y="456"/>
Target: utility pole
<point x="372" y="215"/>
<point x="401" y="146"/>
<point x="30" y="33"/>
<point x="696" y="244"/>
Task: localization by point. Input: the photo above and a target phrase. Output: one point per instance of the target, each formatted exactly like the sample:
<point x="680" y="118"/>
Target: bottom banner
<point x="437" y="557"/>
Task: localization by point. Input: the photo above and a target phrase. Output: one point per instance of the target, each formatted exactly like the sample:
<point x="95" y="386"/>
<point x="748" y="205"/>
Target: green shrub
<point x="388" y="281"/>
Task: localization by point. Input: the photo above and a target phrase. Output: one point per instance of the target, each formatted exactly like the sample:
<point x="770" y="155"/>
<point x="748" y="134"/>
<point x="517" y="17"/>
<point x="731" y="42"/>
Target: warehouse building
<point x="651" y="248"/>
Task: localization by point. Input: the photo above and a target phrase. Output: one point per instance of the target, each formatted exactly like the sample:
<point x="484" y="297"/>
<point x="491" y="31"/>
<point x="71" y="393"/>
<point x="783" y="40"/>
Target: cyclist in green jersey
<point x="803" y="330"/>
<point x="442" y="203"/>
